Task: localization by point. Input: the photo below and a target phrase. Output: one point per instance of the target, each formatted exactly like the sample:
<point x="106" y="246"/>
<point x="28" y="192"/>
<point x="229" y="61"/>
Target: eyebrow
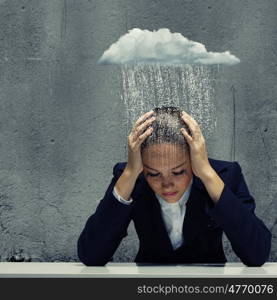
<point x="172" y="168"/>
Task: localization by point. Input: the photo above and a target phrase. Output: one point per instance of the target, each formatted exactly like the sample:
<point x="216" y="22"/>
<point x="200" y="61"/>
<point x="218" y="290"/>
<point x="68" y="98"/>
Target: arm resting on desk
<point x="234" y="212"/>
<point x="105" y="229"/>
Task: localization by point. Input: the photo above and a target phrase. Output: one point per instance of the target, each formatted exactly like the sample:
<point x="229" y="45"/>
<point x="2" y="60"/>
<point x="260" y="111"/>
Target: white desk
<point x="132" y="270"/>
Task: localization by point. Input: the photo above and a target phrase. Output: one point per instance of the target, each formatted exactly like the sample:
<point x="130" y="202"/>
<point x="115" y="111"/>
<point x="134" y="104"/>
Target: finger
<point x="141" y="123"/>
<point x="192" y="124"/>
<point x="137" y="131"/>
<point x="143" y="136"/>
<point x="189" y="117"/>
<point x="143" y="117"/>
<point x="143" y="126"/>
<point x="188" y="138"/>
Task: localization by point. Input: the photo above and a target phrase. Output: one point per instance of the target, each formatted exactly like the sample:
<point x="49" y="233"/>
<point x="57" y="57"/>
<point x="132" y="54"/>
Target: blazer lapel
<point x="195" y="219"/>
<point x="161" y="239"/>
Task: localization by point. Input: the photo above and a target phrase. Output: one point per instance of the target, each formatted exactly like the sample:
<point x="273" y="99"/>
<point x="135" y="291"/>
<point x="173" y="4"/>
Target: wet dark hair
<point x="166" y="127"/>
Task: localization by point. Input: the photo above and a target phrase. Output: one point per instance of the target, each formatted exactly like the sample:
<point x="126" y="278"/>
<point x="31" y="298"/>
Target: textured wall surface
<point x="60" y="124"/>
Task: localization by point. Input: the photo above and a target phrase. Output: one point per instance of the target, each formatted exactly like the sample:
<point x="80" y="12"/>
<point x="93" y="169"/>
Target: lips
<point x="170" y="194"/>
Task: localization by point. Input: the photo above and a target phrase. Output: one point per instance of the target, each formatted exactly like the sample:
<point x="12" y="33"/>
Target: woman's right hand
<point x="135" y="139"/>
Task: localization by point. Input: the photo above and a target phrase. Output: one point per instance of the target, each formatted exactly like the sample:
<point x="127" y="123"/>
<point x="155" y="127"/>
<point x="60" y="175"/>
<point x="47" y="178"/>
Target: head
<point x="165" y="155"/>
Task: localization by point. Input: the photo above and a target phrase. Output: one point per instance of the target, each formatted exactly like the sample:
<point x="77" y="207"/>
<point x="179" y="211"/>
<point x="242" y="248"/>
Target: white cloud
<point x="163" y="47"/>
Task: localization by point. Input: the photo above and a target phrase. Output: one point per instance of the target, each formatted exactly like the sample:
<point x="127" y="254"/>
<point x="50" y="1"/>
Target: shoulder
<point x="229" y="171"/>
<point x="140" y="185"/>
<point x="218" y="165"/>
<point x="118" y="168"/>
<point x="224" y="165"/>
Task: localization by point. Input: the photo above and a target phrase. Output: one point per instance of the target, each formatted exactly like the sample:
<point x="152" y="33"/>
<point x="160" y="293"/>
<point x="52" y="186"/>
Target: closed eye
<point x="152" y="174"/>
<point x="179" y="173"/>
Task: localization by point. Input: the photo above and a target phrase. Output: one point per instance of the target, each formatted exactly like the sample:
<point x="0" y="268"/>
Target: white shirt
<point x="173" y="215"/>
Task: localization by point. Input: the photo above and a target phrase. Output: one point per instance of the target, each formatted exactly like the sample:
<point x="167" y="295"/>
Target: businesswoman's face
<point x="167" y="169"/>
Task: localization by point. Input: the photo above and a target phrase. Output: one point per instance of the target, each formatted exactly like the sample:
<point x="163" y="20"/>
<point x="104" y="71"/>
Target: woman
<point x="180" y="200"/>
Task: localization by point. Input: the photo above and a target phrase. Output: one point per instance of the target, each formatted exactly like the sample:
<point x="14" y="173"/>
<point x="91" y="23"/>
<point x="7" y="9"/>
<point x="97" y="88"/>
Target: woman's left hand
<point x="198" y="153"/>
<point x="199" y="159"/>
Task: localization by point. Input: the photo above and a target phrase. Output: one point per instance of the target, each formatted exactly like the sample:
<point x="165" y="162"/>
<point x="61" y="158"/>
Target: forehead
<point x="164" y="155"/>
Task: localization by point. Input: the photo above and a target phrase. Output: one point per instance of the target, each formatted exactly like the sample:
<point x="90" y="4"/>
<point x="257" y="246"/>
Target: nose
<point x="167" y="182"/>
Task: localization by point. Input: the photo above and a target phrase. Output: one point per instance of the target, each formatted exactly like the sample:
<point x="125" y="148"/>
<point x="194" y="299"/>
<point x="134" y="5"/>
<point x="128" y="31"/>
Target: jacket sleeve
<point x="105" y="229"/>
<point x="234" y="212"/>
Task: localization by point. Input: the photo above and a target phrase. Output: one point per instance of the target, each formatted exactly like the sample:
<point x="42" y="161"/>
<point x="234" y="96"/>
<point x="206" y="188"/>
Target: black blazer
<point x="204" y="223"/>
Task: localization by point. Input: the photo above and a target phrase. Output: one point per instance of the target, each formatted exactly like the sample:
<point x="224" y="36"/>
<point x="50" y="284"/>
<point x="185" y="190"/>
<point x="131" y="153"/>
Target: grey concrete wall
<point x="60" y="128"/>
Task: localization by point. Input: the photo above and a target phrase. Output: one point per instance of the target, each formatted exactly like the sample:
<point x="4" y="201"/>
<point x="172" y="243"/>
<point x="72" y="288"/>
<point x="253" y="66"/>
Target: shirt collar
<point x="180" y="202"/>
